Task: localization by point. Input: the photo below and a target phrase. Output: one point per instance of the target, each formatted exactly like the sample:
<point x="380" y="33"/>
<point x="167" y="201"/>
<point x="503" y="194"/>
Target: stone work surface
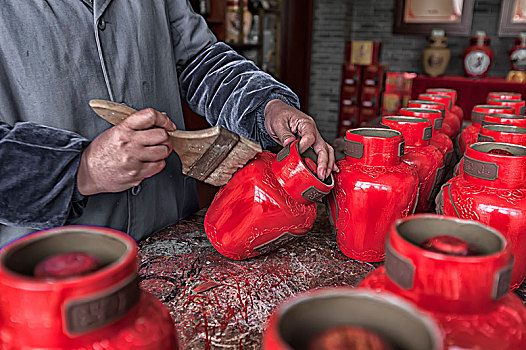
<point x="218" y="303"/>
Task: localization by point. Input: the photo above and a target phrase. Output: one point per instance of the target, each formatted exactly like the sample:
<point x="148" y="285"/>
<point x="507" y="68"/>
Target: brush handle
<point x="203" y="153"/>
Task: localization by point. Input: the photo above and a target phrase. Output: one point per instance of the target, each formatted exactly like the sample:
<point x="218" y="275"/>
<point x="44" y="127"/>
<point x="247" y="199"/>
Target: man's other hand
<point x="285" y="123"/>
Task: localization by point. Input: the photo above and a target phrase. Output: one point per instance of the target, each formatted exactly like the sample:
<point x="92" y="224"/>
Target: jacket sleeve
<point x="38" y="175"/>
<point x="219" y="84"/>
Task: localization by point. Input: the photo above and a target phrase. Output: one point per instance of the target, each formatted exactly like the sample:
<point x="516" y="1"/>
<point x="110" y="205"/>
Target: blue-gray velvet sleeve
<point x="219" y="84"/>
<point x="38" y="175"/>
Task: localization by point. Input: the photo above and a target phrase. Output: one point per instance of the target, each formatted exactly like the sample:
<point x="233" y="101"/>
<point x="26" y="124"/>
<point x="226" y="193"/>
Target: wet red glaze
<point x="450" y="118"/>
<point x="421" y="155"/>
<point x="270" y="201"/>
<point x="33" y="311"/>
<point x="67" y="265"/>
<point x="492" y="191"/>
<point x="469" y="135"/>
<point x="515" y="96"/>
<point x="457" y="291"/>
<point x="373" y="188"/>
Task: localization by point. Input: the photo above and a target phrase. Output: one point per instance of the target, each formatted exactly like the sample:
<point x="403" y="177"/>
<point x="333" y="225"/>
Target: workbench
<point x="218" y="303"/>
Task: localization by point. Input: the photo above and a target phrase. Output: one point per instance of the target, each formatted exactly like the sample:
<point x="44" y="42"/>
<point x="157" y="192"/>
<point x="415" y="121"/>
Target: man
<point x="61" y="164"/>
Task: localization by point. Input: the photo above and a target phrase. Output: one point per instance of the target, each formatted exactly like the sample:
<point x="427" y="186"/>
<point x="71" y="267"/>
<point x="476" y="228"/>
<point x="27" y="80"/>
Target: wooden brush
<point x="210" y="155"/>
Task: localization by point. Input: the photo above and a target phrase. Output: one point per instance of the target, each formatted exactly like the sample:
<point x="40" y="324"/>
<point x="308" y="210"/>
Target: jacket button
<point x="136" y="189"/>
<point x="102" y="24"/>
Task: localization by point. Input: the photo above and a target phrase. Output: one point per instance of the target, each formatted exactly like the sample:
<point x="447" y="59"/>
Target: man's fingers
<point x="154" y="153"/>
<point x="148" y="118"/>
<point x="152" y="137"/>
<point x="323" y="159"/>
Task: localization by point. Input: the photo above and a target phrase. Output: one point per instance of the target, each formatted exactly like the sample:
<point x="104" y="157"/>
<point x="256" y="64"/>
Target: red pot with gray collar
<point x="373" y="189"/>
<point x="348" y="318"/>
<point x="269" y="202"/>
<point x="458" y="271"/>
<point x="492" y="190"/>
<point x="76" y="287"/>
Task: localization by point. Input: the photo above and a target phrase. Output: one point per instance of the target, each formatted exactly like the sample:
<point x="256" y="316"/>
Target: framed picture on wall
<point x="512" y="17"/>
<point x="421" y="16"/>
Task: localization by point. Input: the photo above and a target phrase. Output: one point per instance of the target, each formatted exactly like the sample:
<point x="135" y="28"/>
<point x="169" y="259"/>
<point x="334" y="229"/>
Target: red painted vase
<point x="269" y="202"/>
<point x="373" y="188"/>
<point x="350" y="319"/>
<point x="449" y="117"/>
<point x="455" y="109"/>
<point x="492" y="190"/>
<point x="519" y="105"/>
<point x="498" y="95"/>
<point x="103" y="309"/>
<point x="502" y="133"/>
<point x="439" y="139"/>
<point x="421" y="155"/>
<point x="458" y="271"/>
<point x="478" y="56"/>
<point x="469" y="135"/>
<point x="446" y="128"/>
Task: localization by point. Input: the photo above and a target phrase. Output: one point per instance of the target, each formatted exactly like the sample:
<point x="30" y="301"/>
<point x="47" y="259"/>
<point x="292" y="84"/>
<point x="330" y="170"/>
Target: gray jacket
<point x="56" y="55"/>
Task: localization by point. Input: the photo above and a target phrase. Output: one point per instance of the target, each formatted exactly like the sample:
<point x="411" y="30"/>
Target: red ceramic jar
<point x="455" y="109"/>
<point x="446" y="128"/>
<point x="449" y="117"/>
<point x="373" y="188"/>
<point x="492" y="190"/>
<point x="502" y="133"/>
<point x="517" y="105"/>
<point x="469" y="135"/>
<point x="439" y="139"/>
<point x="478" y="56"/>
<point x="379" y="320"/>
<point x="270" y="201"/>
<point x="517" y="54"/>
<point x="467" y="295"/>
<point x="102" y="309"/>
<point x="497" y="95"/>
<point x="421" y="155"/>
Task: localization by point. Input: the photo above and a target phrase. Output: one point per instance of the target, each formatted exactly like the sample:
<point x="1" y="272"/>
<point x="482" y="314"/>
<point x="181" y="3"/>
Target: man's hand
<point x="284" y="123"/>
<point x="124" y="155"/>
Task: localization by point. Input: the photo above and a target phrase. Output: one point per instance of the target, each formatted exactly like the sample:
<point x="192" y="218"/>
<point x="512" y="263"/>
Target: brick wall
<point x="338" y="21"/>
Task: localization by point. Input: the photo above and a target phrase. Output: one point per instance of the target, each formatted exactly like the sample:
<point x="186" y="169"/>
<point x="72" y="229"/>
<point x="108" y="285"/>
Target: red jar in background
<point x="491" y="190"/>
<point x="504" y="119"/>
<point x="439" y="139"/>
<point x="517" y="105"/>
<point x="455" y="109"/>
<point x="461" y="279"/>
<point x="503" y="133"/>
<point x="365" y="320"/>
<point x="373" y="188"/>
<point x="105" y="306"/>
<point x="449" y="118"/>
<point x="269" y="202"/>
<point x="446" y="128"/>
<point x="421" y="155"/>
<point x="498" y="95"/>
<point x="469" y="135"/>
<point x="478" y="56"/>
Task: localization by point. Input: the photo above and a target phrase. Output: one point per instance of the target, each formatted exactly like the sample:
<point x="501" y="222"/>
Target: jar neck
<point x="434" y="116"/>
<point x="446" y="100"/>
<point x="417" y="132"/>
<point x="428" y="105"/>
<point x="374" y="146"/>
<point x="503" y="133"/>
<point x="493" y="169"/>
<point x="438" y="281"/>
<point x="294" y="174"/>
<point x="517" y="105"/>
